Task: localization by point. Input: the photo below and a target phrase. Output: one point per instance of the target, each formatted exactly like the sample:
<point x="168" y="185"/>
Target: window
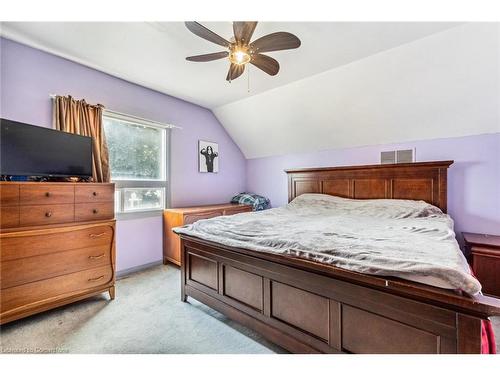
<point x="138" y="158"/>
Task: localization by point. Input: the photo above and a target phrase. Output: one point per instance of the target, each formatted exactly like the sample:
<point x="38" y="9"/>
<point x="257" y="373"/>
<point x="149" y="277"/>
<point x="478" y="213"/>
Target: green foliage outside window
<point x="135" y="151"/>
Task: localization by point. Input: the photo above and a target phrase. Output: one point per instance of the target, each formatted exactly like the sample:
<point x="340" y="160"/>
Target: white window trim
<point x="163" y="183"/>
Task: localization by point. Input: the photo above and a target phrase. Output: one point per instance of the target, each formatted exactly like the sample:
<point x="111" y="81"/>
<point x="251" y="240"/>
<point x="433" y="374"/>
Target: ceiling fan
<point x="241" y="51"/>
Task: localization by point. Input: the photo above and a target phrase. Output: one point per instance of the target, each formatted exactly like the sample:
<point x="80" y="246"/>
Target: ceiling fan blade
<point x="265" y="63"/>
<point x="243" y="31"/>
<point x="208" y="56"/>
<point x="200" y="30"/>
<point x="275" y="42"/>
<point x="235" y="71"/>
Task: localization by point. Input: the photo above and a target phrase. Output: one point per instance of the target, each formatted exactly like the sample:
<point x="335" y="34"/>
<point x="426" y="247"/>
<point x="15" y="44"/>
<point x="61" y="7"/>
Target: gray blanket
<point x="412" y="240"/>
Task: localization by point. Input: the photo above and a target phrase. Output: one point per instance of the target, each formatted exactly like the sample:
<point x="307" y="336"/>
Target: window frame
<point x="164" y="182"/>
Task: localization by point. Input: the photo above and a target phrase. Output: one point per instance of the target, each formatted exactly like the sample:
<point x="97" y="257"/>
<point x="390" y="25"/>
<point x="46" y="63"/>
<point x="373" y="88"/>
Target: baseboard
<point x="123" y="273"/>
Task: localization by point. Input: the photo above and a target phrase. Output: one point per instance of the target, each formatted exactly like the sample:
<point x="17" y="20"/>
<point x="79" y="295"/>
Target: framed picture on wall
<point x="208" y="157"/>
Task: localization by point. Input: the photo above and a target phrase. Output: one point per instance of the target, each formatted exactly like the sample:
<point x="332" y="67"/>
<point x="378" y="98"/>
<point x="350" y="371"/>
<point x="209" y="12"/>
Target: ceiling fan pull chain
<point x="248" y="80"/>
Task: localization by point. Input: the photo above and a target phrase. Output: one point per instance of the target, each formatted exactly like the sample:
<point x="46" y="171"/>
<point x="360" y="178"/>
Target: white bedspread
<point x="412" y="240"/>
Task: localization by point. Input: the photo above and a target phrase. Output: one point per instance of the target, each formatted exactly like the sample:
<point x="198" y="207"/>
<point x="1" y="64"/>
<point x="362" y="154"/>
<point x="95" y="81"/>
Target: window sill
<point x="138" y="214"/>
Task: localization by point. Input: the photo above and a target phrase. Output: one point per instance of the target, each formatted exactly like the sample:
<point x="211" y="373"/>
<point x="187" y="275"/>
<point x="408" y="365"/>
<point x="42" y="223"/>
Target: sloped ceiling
<point x="348" y="84"/>
<point x="444" y="85"/>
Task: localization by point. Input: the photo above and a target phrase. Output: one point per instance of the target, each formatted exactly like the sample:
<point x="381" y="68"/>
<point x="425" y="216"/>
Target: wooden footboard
<point x="307" y="307"/>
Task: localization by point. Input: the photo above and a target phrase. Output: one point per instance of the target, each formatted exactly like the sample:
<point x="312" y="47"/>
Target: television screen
<point x="28" y="150"/>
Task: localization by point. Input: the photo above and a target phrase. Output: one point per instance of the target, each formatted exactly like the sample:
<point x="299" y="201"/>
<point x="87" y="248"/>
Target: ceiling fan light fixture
<point x="240" y="50"/>
<point x="239" y="56"/>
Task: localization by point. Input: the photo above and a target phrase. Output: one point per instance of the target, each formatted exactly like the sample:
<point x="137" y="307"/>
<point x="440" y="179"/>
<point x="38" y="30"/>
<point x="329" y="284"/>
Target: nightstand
<point x="485" y="256"/>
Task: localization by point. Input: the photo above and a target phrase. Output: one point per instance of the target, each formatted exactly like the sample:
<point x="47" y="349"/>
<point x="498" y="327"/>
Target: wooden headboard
<point x="418" y="181"/>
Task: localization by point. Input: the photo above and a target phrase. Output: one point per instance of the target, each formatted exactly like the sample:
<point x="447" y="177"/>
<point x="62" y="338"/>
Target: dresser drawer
<point x="486" y="266"/>
<point x="9" y="216"/>
<point x="94" y="211"/>
<point x="33" y="243"/>
<point x="45" y="291"/>
<point x="237" y="210"/>
<point x="42" y="193"/>
<point x="46" y="214"/>
<point x="25" y="270"/>
<point x="9" y="194"/>
<point x="94" y="193"/>
<point x="193" y="217"/>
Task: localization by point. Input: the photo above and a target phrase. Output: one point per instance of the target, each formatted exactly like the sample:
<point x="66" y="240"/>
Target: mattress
<point x="412" y="240"/>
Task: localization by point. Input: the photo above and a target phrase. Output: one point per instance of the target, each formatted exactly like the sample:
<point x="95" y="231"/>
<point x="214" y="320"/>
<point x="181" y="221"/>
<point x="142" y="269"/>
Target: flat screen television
<point x="29" y="150"/>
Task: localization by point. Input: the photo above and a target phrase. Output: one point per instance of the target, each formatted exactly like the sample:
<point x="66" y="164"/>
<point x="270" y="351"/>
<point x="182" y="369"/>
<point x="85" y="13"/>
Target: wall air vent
<point x="404" y="156"/>
<point x="387" y="157"/>
<point x="397" y="156"/>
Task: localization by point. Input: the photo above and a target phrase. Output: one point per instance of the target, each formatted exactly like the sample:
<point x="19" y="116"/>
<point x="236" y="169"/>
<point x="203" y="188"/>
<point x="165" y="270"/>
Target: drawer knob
<point x="95" y="235"/>
<point x="95" y="210"/>
<point x="94" y="193"/>
<point x="96" y="256"/>
<point x="48" y="214"/>
<point x="47" y="194"/>
<point x="97" y="278"/>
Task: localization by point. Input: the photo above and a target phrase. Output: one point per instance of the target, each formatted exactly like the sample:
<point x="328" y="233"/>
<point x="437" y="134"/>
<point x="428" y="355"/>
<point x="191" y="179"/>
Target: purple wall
<point x="29" y="75"/>
<point x="473" y="180"/>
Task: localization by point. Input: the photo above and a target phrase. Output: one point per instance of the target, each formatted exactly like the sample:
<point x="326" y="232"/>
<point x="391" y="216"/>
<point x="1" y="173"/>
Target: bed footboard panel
<point x="307" y="312"/>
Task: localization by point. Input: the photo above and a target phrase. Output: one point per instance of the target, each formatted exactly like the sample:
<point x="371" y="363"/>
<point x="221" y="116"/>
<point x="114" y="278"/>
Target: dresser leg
<point x="112" y="292"/>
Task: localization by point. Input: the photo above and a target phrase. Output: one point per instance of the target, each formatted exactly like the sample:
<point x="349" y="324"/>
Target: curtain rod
<point x="126" y="115"/>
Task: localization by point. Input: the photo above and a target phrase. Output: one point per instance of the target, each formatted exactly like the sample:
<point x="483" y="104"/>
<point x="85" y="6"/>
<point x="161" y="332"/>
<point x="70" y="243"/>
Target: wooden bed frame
<point x="309" y="307"/>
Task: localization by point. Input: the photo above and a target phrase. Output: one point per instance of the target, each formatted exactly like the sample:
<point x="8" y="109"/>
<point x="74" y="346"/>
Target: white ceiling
<point x="153" y="53"/>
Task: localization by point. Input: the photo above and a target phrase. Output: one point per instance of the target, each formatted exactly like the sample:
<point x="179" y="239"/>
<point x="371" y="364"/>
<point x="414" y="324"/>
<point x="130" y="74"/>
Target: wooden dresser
<point x="57" y="245"/>
<point x="176" y="217"/>
<point x="485" y="255"/>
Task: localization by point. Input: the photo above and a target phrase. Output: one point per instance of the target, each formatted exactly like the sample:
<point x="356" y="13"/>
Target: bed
<point x="291" y="289"/>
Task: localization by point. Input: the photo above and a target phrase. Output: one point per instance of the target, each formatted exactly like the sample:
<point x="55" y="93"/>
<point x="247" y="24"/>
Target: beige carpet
<point x="147" y="316"/>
